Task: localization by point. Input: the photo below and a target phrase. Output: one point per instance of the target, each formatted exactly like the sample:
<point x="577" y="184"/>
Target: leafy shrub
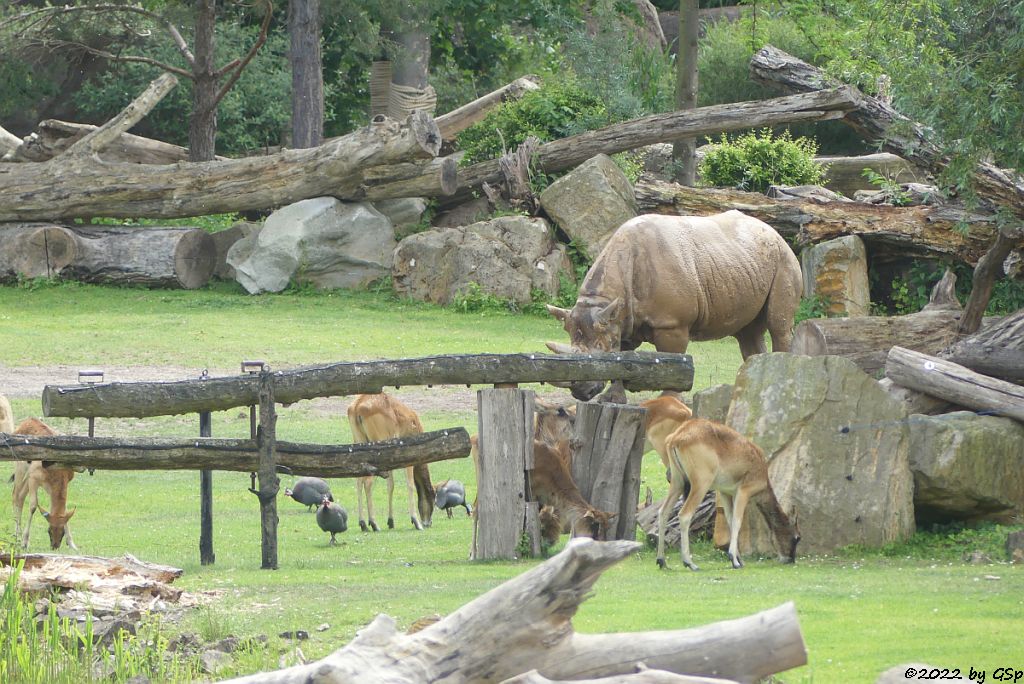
<point x="910" y="289"/>
<point x="755" y="161"/>
<point x="813" y="307"/>
<point x="556" y="110"/>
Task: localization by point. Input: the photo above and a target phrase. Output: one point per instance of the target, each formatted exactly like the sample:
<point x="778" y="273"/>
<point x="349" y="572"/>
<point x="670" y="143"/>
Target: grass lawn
<point x="860" y="611"/>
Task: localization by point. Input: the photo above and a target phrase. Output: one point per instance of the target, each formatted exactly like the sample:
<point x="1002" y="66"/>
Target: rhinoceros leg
<point x="751" y="339"/>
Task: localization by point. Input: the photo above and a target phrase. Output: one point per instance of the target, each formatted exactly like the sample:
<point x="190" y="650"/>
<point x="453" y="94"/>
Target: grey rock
<point x="213" y="662"/>
<point x="967" y="467"/>
<point x="590" y="202"/>
<point x="506" y="257"/>
<point x="837" y="446"/>
<point x="713" y="403"/>
<point x="405" y="214"/>
<point x="225" y="239"/>
<point x="319" y="241"/>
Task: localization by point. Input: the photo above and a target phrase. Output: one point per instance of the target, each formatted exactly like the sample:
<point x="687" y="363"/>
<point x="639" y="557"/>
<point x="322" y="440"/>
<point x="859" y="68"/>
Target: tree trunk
<point x="307" y="73"/>
<point x="202" y="130"/>
<point x="639" y="371"/>
<point x="997" y="351"/>
<point x="889" y="232"/>
<point x="238" y="455"/>
<point x="684" y="152"/>
<point x="525" y="624"/>
<point x="152" y="256"/>
<point x="988" y="270"/>
<point x="954" y="383"/>
<point x="52" y="138"/>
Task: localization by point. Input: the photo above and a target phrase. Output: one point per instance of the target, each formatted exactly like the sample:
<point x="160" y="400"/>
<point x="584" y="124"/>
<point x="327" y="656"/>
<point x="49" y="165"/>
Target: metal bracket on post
<point x="90" y="377"/>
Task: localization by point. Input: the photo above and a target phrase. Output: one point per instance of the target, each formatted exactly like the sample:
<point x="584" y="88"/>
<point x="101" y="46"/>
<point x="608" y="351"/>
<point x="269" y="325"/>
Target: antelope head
<point x="57" y="523"/>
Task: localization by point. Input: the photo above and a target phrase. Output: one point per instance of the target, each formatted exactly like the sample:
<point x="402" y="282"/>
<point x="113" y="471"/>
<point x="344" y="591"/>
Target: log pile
<point x="522" y="631"/>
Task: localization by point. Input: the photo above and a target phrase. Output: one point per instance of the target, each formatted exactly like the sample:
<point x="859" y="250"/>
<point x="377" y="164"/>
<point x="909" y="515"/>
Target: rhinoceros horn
<point x="559" y="347"/>
<point x="558" y="312"/>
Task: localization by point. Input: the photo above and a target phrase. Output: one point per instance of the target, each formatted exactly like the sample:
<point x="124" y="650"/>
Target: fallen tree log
<point x="997" y="350"/>
<point x="866" y="340"/>
<point x="877" y="121"/>
<point x="702" y="524"/>
<point x="77" y="184"/>
<point x="53" y="137"/>
<point x="638" y="370"/>
<point x="566" y="153"/>
<point x="240" y="455"/>
<point x="954" y="383"/>
<point x="525" y="625"/>
<point x="846" y="174"/>
<point x="461" y="118"/>
<point x="152" y="256"/>
<point x="889" y="232"/>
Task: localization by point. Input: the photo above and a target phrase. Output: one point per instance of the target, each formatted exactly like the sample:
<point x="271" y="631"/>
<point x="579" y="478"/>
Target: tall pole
<point x="266" y="441"/>
<point x="206" y="555"/>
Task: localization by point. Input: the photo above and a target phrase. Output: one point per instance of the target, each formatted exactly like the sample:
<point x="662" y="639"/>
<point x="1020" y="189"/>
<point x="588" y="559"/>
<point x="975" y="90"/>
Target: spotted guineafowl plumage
<point x="309" y="491"/>
<point x="331" y="518"/>
<point x="449" y="494"/>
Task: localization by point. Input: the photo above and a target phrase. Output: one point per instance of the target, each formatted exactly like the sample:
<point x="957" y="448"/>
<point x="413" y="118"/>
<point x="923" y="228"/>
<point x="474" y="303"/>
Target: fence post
<point x="609" y="449"/>
<point x="206" y="555"/>
<point x="266" y="441"/>
<point x="505" y="453"/>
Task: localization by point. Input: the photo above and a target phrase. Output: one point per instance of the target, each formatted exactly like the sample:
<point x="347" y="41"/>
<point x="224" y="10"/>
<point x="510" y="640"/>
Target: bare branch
<point x="240" y="66"/>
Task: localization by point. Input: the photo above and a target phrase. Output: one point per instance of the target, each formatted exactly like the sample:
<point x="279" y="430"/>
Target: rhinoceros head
<point x="591" y="327"/>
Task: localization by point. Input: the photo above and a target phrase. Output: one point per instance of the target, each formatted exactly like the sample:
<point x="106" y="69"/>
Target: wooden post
<point x="608" y="450"/>
<point x="269" y="483"/>
<point x="206" y="555"/>
<point x="505" y="434"/>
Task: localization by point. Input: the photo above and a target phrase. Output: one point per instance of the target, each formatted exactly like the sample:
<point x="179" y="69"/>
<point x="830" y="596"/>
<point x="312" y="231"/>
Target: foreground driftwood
<point x="525" y="625"/>
<point x="954" y="383"/>
<point x="894" y="232"/>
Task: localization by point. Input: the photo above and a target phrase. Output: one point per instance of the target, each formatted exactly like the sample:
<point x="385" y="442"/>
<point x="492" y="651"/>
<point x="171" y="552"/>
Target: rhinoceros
<point x="668" y="280"/>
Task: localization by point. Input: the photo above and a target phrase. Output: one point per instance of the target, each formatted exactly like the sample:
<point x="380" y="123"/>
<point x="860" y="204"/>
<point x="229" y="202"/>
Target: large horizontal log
<point x="525" y="624"/>
<point x="152" y="256"/>
<point x="897" y="232"/>
<point x="461" y="118"/>
<point x="877" y="121"/>
<point x="639" y="370"/>
<point x="81" y="186"/>
<point x="567" y="153"/>
<point x="241" y="455"/>
<point x="954" y="383"/>
<point x="997" y="350"/>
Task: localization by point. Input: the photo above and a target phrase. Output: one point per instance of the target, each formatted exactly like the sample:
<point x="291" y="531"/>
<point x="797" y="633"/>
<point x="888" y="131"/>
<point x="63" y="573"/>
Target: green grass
<point x="860" y="611"/>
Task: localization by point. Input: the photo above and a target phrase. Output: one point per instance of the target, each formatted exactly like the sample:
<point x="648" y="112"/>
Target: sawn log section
<point x="241" y="455"/>
<point x="638" y="370"/>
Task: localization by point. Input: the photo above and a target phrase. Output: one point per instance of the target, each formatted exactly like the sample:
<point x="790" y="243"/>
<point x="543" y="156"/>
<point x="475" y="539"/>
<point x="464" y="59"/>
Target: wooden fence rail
<point x="638" y="371"/>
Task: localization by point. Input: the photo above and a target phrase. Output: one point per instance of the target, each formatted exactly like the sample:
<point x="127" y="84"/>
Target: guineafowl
<point x="451" y="493"/>
<point x="310" y="491"/>
<point x="331" y="518"/>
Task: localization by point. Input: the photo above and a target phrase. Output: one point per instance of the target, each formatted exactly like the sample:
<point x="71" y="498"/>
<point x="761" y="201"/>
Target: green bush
<point x="755" y="161"/>
<point x="556" y="110"/>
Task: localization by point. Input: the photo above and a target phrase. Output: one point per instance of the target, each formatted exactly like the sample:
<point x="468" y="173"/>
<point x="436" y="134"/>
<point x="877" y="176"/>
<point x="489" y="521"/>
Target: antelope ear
<point x="70" y="514"/>
<point x="610" y="312"/>
<point x="612" y="516"/>
<point x="559" y="347"/>
<point x="558" y="312"/>
<point x="46" y="513"/>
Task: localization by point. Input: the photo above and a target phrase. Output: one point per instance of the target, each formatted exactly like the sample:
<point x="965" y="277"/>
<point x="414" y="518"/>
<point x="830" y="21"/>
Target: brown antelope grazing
<point x="714" y="456"/>
<point x="377" y="418"/>
<point x="29" y="476"/>
<point x="552" y="484"/>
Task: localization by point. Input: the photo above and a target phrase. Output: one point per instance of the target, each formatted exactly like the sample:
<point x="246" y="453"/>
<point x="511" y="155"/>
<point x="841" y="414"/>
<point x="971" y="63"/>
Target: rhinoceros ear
<point x="557" y="312"/>
<point x="610" y="312"/>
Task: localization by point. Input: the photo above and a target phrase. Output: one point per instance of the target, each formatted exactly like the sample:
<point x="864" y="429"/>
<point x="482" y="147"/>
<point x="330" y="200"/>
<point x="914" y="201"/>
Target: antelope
<point x="664" y="416"/>
<point x="6" y="415"/>
<point x="552" y="484"/>
<point x="29" y="476"/>
<point x="380" y="417"/>
<point x="714" y="456"/>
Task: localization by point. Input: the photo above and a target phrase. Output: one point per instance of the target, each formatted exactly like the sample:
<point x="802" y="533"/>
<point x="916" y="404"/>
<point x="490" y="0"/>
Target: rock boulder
<point x="320" y="241"/>
<point x="590" y="202"/>
<point x="837" y="446"/>
<point x="967" y="467"/>
<point x="838" y="270"/>
<point x="506" y="257"/>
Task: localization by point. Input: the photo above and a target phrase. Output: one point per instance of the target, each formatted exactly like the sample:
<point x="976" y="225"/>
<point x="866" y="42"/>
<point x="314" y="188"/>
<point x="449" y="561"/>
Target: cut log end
<point x="195" y="257"/>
